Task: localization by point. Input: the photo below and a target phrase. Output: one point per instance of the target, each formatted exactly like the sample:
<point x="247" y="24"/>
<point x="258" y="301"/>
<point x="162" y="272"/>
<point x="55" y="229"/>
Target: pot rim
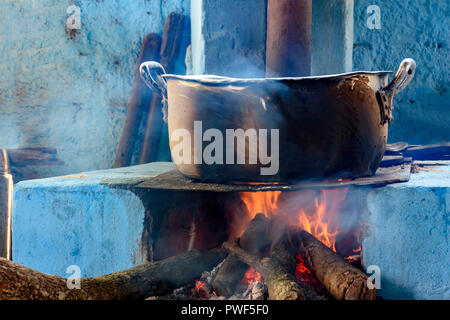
<point x="221" y="80"/>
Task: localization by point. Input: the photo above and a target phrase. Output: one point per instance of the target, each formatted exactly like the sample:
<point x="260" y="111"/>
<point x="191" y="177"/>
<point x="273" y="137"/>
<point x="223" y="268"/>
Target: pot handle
<point x="385" y="96"/>
<point x="151" y="73"/>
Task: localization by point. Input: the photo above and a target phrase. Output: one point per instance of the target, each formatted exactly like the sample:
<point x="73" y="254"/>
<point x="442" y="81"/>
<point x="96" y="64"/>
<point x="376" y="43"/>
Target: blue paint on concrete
<point x="72" y="94"/>
<point x="408" y="235"/>
<point x="82" y="219"/>
<point x="94" y="227"/>
<point x="419" y="29"/>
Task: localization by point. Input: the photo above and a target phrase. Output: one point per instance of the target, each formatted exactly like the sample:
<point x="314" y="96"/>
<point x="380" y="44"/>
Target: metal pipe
<point x="288" y="46"/>
<point x="6" y="194"/>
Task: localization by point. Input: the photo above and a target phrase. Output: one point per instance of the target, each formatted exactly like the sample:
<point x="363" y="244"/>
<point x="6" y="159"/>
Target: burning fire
<point x="324" y="223"/>
<point x="261" y="202"/>
<point x="321" y="220"/>
<point x="316" y="212"/>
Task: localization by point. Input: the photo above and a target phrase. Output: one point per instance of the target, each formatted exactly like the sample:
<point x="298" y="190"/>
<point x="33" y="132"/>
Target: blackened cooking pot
<point x="278" y="129"/>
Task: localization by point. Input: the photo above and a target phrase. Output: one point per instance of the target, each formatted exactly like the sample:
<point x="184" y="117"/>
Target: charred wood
<point x="21" y="157"/>
<point x="278" y="270"/>
<point x="138" y="104"/>
<point x="254" y="240"/>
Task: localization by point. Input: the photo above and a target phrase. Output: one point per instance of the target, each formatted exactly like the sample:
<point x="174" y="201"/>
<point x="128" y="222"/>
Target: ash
<point x="202" y="290"/>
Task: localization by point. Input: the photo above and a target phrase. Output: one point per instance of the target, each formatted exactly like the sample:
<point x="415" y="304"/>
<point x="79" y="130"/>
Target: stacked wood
<point x="171" y="48"/>
<point x="440" y="151"/>
<point x="278" y="270"/>
<point x="21" y="157"/>
<point x="342" y="280"/>
<point x="18" y="282"/>
<point x="254" y="240"/>
<point x="437" y="151"/>
<point x="138" y="103"/>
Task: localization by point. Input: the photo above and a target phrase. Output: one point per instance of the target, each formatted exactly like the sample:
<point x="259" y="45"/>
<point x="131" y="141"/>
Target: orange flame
<point x="322" y="220"/>
<point x="316" y="212"/>
<point x="324" y="223"/>
<point x="261" y="202"/>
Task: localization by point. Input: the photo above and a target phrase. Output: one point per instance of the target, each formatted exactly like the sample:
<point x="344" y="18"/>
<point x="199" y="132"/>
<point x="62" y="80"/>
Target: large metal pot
<point x="329" y="126"/>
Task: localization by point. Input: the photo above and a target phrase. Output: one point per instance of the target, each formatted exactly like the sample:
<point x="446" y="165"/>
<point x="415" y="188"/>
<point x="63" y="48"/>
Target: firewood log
<point x="21" y="157"/>
<point x="342" y="280"/>
<point x="278" y="270"/>
<point x="254" y="239"/>
<point x="171" y="48"/>
<point x="229" y="275"/>
<point x="138" y="104"/>
<point x="18" y="282"/>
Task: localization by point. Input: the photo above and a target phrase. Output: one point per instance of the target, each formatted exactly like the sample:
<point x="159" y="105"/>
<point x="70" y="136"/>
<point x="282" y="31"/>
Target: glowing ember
<point x="250" y="277"/>
<point x="355" y="259"/>
<point x="303" y="274"/>
<point x="199" y="284"/>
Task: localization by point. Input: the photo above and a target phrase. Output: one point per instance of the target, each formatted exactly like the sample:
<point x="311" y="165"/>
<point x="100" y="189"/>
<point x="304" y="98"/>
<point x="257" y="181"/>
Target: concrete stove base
<point x="91" y="220"/>
<point x="407" y="234"/>
<point x="95" y="220"/>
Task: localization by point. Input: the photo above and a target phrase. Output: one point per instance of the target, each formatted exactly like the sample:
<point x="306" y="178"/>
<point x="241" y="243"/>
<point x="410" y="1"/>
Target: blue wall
<point x="418" y="29"/>
<point x="71" y="94"/>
